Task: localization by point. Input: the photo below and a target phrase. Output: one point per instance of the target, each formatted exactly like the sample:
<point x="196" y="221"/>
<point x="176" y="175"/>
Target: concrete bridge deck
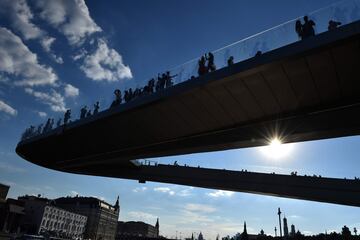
<point x="307" y="90"/>
<point x="321" y="189"/>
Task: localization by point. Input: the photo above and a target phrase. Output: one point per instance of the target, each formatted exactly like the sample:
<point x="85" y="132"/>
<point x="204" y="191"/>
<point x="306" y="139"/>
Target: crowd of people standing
<point x="206" y="64"/>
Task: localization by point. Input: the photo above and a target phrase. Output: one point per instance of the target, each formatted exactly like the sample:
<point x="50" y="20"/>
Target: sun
<point x="276" y="149"/>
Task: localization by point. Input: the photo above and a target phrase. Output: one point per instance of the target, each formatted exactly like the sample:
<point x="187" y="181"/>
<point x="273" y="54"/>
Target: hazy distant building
<point x="11" y="212"/>
<point x="136" y="229"/>
<point x="201" y="237"/>
<point x="11" y="215"/>
<point x="44" y="217"/>
<point x="286" y="230"/>
<point x="4" y="189"/>
<point x="102" y="217"/>
<point x="293" y="232"/>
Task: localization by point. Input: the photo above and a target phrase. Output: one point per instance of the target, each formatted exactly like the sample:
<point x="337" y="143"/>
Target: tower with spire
<point x="157" y="227"/>
<point x="117" y="206"/>
<point x="292" y="233"/>
<point x="286" y="230"/>
<point x="244" y="235"/>
<point x="279" y="213"/>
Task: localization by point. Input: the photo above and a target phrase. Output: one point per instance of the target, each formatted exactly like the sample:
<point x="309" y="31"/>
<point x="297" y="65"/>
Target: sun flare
<point x="276" y="149"/>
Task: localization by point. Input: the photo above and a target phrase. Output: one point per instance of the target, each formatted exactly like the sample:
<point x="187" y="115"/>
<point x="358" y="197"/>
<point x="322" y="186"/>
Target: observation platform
<point x="307" y="90"/>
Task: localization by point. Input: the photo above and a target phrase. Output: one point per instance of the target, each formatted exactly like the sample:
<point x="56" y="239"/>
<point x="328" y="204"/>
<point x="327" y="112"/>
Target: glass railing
<point x="346" y="11"/>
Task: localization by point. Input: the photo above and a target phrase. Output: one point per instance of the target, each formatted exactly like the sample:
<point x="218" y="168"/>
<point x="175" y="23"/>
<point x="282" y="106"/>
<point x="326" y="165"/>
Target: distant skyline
<point x="56" y="55"/>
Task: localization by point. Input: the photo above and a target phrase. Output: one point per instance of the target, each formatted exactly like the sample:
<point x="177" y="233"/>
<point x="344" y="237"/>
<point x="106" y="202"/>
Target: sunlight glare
<point x="276" y="149"/>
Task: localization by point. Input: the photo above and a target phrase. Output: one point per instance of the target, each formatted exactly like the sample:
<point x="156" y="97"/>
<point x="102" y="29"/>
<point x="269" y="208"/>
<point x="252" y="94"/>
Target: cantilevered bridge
<point x="307" y="90"/>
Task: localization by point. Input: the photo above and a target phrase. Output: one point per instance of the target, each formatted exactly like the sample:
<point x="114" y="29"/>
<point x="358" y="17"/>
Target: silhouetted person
<point x="58" y="123"/>
<point x="126" y="96"/>
<point x="308" y="27"/>
<point x="83" y="112"/>
<point x="28" y="133"/>
<point x="51" y="124"/>
<point x="88" y="114"/>
<point x="151" y="85"/>
<point x="67" y="116"/>
<point x="333" y="25"/>
<point x="202" y="66"/>
<point x="258" y="53"/>
<point x="162" y="82"/>
<point x="211" y="62"/>
<point x="39" y="129"/>
<point x="131" y="94"/>
<point x="137" y="92"/>
<point x="118" y="98"/>
<point x="299" y="29"/>
<point x="96" y="108"/>
<point x="168" y="79"/>
<point x="47" y="126"/>
<point x="230" y="61"/>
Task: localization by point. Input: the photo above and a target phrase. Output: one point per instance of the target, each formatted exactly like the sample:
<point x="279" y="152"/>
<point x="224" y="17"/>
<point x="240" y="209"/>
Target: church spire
<point x="157" y="227"/>
<point x="157" y="224"/>
<point x="245" y="231"/>
<point x="117" y="204"/>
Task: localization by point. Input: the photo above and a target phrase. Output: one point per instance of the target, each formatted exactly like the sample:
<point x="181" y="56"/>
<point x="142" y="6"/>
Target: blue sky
<point x="65" y="54"/>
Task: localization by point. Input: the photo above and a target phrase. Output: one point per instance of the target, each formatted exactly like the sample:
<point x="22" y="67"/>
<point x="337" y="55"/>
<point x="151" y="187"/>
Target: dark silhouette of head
<point x="306" y="19"/>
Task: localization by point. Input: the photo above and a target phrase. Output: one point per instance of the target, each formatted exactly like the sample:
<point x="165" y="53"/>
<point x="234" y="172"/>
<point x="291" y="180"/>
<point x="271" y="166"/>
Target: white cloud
<point x="71" y="91"/>
<point x="7" y="167"/>
<point x="138" y="215"/>
<point x="20" y="17"/>
<point x="55" y="100"/>
<point x="71" y="17"/>
<point x="184" y="193"/>
<point x="47" y="42"/>
<point x="105" y="64"/>
<point x="220" y="193"/>
<point x="42" y="114"/>
<point x="74" y="193"/>
<point x="18" y="60"/>
<point x="138" y="189"/>
<point x="164" y="190"/>
<point x="193" y="207"/>
<point x="57" y="59"/>
<point x="81" y="54"/>
<point x="7" y="109"/>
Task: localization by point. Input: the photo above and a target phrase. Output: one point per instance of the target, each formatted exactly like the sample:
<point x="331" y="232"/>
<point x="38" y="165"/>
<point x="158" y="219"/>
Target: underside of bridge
<point x="307" y="90"/>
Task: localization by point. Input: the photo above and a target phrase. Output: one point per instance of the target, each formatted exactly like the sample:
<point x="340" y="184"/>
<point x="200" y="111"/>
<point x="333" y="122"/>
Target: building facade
<point x="42" y="216"/>
<point x="11" y="215"/>
<point x="136" y="229"/>
<point x="4" y="189"/>
<point x="102" y="217"/>
<point x="11" y="212"/>
<point x="62" y="222"/>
